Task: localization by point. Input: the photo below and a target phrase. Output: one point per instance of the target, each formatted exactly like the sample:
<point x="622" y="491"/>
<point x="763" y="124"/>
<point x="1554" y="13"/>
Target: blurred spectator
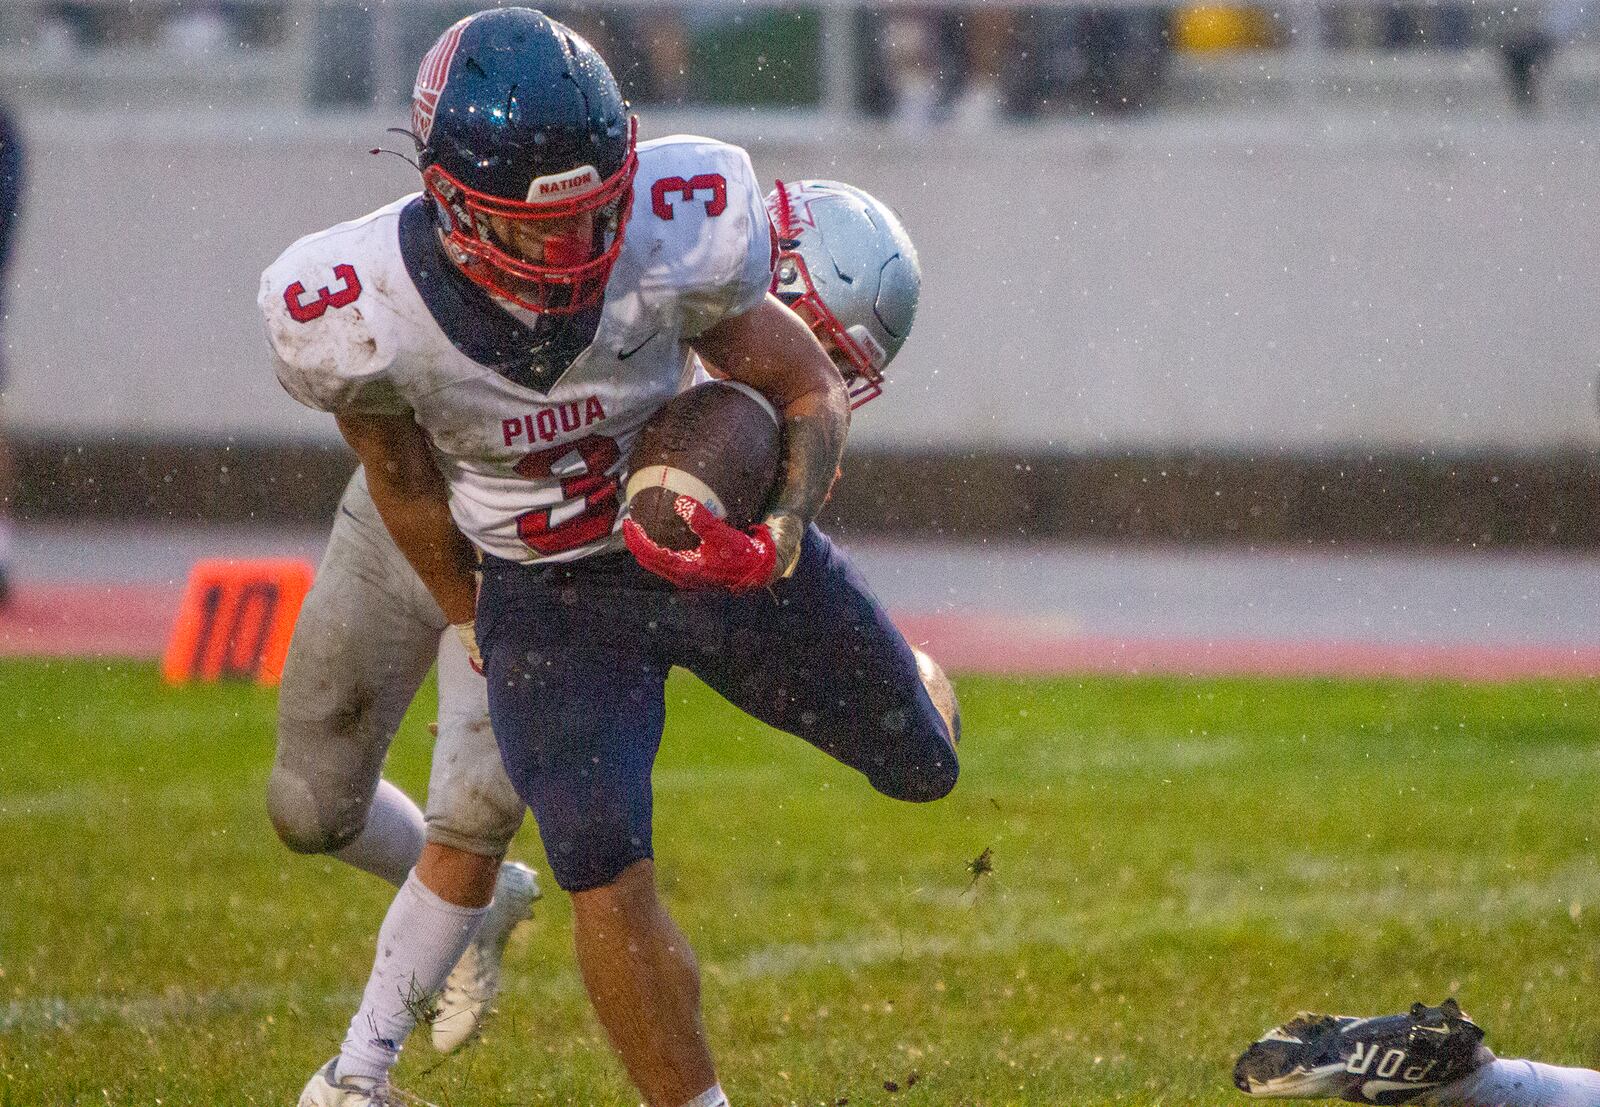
<point x="198" y="28"/>
<point x="93" y="26"/>
<point x="362" y="53"/>
<point x="1531" y="39"/>
<point x="11" y="169"/>
<point x="1446" y="26"/>
<point x="69" y="26"/>
<point x="190" y="25"/>
<point x="341" y="72"/>
<point x="941" y="64"/>
<point x="910" y="44"/>
<point x="648" y="49"/>
<point x="1093" y="59"/>
<point x="970" y="67"/>
<point x="990" y="34"/>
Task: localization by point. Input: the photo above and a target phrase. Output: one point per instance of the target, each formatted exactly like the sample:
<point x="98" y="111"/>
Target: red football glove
<point x="727" y="557"/>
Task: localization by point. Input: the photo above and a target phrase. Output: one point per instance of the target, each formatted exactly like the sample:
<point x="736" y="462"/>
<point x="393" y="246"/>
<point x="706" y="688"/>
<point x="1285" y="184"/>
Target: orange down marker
<point x="236" y="620"/>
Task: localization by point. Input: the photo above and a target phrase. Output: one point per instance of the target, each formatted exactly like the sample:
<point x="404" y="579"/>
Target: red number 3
<point x="305" y="312"/>
<point x="589" y="489"/>
<point x="668" y="188"/>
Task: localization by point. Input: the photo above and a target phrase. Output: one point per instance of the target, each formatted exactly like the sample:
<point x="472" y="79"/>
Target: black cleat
<point x="1385" y="1060"/>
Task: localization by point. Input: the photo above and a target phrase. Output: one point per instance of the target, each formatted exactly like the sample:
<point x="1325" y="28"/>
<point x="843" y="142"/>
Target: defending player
<point x="1431" y="1055"/>
<point x="366" y="636"/>
<point x="488" y="375"/>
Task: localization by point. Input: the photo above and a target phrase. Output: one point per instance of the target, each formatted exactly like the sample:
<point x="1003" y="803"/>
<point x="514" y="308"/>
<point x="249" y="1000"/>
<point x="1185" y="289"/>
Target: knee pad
<point x="311" y="822"/>
<point x="472" y="806"/>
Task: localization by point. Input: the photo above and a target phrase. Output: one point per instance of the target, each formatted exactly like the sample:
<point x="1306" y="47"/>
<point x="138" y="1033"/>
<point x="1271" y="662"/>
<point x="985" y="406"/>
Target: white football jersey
<point x="370" y="317"/>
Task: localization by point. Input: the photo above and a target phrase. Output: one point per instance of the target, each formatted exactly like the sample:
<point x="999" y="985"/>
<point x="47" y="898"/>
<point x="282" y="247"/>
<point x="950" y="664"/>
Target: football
<point x="717" y="443"/>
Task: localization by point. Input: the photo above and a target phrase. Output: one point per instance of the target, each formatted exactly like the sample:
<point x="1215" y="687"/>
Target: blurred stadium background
<point x="1313" y="275"/>
<point x="1255" y="339"/>
<point x="1308" y="271"/>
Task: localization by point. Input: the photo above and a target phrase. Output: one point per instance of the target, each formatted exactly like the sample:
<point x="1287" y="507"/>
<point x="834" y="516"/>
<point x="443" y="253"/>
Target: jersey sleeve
<point x="740" y="248"/>
<point x="327" y="352"/>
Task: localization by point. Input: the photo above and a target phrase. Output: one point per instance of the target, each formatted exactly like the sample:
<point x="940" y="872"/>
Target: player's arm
<point x="412" y="498"/>
<point x="772" y="350"/>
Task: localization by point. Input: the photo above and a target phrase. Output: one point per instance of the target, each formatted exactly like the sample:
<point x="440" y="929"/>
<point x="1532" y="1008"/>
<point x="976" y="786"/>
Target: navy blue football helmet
<point x="524" y="137"/>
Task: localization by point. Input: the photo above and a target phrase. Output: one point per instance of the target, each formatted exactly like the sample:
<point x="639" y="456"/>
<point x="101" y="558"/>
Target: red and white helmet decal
<point x="793" y="207"/>
<point x="431" y="78"/>
<point x="789" y="207"/>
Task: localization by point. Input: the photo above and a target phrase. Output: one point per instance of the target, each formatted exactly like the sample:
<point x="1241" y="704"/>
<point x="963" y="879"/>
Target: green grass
<point x="1178" y="863"/>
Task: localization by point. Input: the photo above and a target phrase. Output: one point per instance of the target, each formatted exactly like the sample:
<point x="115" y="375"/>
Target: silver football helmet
<point x="848" y="268"/>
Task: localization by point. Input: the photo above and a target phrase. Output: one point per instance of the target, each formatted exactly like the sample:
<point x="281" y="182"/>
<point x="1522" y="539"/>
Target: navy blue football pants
<point x="577" y="657"/>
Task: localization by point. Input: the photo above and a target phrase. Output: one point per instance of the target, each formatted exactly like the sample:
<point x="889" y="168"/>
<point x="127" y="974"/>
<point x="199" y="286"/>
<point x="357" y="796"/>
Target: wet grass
<point x="1176" y="864"/>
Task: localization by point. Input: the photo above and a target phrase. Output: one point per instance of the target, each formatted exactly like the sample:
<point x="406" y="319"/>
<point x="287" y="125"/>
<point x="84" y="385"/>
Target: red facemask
<point x="791" y="283"/>
<point x="572" y="275"/>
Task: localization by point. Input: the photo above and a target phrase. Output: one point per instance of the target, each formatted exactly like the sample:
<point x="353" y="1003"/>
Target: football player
<point x="464" y="296"/>
<point x="1432" y="1055"/>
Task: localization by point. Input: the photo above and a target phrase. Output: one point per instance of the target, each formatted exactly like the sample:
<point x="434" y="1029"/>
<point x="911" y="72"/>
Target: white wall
<point x="1175" y="283"/>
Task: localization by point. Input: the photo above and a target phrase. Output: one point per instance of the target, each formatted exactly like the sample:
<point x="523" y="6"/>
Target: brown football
<point x="716" y="442"/>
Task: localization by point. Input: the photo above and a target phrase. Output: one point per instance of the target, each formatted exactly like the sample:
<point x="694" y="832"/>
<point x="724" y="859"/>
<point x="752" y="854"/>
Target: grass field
<point x="1177" y="864"/>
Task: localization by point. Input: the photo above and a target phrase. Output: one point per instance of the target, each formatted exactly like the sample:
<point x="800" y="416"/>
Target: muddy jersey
<point x="530" y="418"/>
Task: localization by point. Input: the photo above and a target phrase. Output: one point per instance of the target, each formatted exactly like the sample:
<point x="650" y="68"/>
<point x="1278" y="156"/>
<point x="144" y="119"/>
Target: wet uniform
<point x="530" y="420"/>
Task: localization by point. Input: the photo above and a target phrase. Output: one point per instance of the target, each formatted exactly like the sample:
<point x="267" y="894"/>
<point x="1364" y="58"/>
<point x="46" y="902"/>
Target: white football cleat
<point x="324" y="1089"/>
<point x="475" y="980"/>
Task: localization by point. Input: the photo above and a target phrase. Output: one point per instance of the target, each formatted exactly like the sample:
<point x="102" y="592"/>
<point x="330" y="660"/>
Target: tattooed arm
<point x="772" y="350"/>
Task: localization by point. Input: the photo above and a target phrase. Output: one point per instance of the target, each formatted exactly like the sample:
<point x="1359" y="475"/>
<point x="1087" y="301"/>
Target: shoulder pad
<point x="700" y="215"/>
<point x="319" y="301"/>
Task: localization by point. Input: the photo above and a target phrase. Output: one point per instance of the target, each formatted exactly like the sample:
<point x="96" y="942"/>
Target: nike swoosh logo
<point x="624" y="355"/>
<point x="1374" y="1088"/>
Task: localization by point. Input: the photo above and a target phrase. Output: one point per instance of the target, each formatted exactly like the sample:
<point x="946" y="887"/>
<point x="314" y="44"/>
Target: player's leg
<point x="363" y="642"/>
<point x="360" y="650"/>
<point x="472" y="814"/>
<point x="365" y="639"/>
<point x="817" y="656"/>
<point x="644" y="981"/>
<point x="1508" y="1082"/>
<point x="431" y="931"/>
<point x="1430" y="1055"/>
<point x="576" y="673"/>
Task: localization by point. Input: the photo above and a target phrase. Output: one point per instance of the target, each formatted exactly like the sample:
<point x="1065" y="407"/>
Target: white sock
<point x="391" y="842"/>
<point x="1514" y="1083"/>
<point x="421" y="939"/>
<point x="711" y="1097"/>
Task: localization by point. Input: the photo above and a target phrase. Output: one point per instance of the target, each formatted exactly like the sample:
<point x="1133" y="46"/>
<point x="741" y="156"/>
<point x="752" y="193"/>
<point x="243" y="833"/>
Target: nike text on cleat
<point x="475" y="980"/>
<point x="326" y="1089"/>
<point x="1384" y="1060"/>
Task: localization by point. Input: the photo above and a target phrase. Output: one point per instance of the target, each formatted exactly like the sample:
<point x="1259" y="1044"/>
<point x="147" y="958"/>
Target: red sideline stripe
<point x="88" y="620"/>
<point x="78" y="620"/>
<point x="1018" y="646"/>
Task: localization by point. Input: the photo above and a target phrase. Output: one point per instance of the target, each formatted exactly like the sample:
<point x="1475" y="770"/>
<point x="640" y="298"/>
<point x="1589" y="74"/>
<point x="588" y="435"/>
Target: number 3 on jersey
<point x="673" y="190"/>
<point x="304" y="311"/>
<point x="589" y="494"/>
